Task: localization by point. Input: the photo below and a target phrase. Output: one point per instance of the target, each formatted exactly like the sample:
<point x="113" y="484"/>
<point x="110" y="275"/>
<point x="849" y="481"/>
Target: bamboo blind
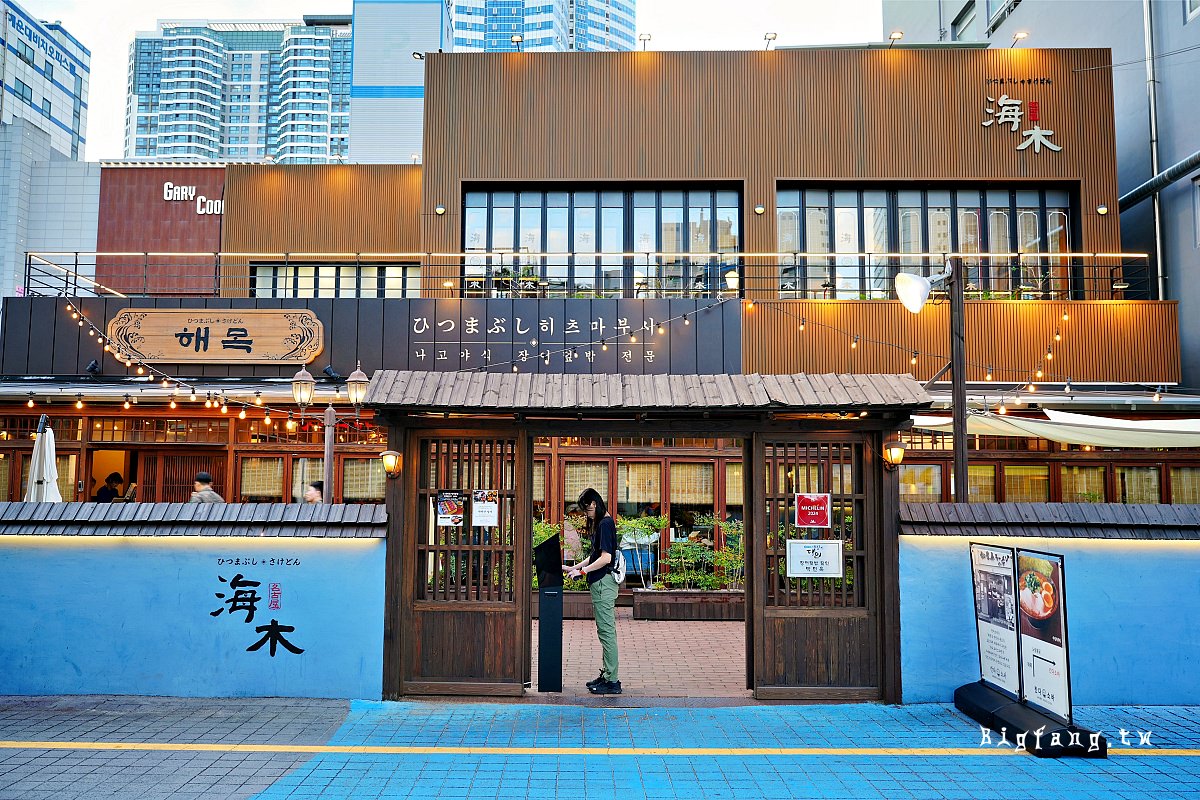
<point x="692" y="484"/>
<point x="580" y="475"/>
<point x="539" y="481"/>
<point x="639" y="483"/>
<point x="363" y="479"/>
<point x="262" y="476"/>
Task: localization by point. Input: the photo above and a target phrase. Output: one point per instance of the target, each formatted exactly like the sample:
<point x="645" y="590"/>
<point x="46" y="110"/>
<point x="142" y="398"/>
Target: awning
<point x="1081" y="429"/>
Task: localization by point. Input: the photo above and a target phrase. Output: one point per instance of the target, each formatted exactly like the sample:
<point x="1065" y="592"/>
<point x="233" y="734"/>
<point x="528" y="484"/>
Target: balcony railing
<point x="811" y="276"/>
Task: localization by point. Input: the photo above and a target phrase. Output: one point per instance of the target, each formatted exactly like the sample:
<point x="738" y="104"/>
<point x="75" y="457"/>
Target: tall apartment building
<point x="44" y="73"/>
<point x="241" y="90"/>
<point x="547" y="25"/>
<point x="1169" y="47"/>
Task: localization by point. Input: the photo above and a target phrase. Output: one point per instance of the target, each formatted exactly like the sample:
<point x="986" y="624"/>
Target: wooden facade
<point x="759" y="121"/>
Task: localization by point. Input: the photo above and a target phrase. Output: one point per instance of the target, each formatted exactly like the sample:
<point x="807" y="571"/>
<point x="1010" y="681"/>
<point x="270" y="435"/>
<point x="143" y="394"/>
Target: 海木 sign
<point x="996" y="616"/>
<point x="813" y="510"/>
<point x="212" y="336"/>
<point x="1042" y="623"/>
<point x="815" y="558"/>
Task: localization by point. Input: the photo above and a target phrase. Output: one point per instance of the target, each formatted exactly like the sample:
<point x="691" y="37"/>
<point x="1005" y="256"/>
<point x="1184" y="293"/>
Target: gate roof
<point x="482" y="392"/>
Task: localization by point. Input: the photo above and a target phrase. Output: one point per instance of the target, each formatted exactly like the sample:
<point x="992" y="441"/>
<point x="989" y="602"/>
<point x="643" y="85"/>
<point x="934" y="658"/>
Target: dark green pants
<point x="604" y="607"/>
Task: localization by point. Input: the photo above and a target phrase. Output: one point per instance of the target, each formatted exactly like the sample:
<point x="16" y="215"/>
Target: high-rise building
<point x="1153" y="44"/>
<point x="239" y="91"/>
<point x="547" y="25"/>
<point x="44" y="73"/>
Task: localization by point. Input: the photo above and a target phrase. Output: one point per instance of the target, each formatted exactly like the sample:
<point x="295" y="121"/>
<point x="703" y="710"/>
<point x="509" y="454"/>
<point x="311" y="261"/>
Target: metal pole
<point x="1152" y="91"/>
<point x="958" y="385"/>
<point x="330" y="434"/>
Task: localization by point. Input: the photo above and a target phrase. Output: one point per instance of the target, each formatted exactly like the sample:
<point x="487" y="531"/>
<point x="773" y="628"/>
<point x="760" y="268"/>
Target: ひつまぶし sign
<point x="217" y="336"/>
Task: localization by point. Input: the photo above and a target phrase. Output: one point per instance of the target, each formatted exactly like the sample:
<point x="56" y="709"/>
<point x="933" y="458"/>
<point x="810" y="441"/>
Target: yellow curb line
<point x="559" y="751"/>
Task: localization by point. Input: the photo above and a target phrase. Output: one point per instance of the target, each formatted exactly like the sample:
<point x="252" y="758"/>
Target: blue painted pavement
<point x="1134" y="774"/>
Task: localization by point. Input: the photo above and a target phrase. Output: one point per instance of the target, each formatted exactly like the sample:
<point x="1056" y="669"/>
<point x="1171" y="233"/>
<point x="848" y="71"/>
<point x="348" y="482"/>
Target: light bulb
<point x="661" y="330"/>
<point x="913" y="360"/>
<point x="1039" y="373"/>
<point x="267" y="419"/>
<point x="988" y="377"/>
<point x="854" y="344"/>
<point x="1057" y="336"/>
<point x="1157" y="396"/>
<point x="1049" y="356"/>
<point x="29" y="402"/>
<point x="803" y="320"/>
<point x="1066" y="316"/>
<point x="633" y="338"/>
<point x="242" y="413"/>
<point x="193" y="398"/>
<point x="172" y="404"/>
<point x="224" y="408"/>
<point x="78" y="401"/>
<point x="140" y="370"/>
<point x="603" y="345"/>
<point x="686" y="320"/>
<point x="1002" y="409"/>
<point x="126" y="402"/>
<point x="258" y="398"/>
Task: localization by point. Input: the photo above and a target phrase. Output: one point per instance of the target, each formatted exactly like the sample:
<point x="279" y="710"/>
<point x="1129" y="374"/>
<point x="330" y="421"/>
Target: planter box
<point x="689" y="604"/>
<point x="576" y="605"/>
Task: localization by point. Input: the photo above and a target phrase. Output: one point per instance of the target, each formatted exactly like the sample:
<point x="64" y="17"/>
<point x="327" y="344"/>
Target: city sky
<point x="108" y="28"/>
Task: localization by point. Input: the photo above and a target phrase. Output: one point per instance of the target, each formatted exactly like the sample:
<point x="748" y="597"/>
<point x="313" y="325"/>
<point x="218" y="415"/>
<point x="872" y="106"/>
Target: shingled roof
<point x="1052" y="520"/>
<point x="319" y="520"/>
<point x="529" y="392"/>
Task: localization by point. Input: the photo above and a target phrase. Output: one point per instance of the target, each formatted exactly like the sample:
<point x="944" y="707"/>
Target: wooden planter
<point x="689" y="604"/>
<point x="576" y="605"/>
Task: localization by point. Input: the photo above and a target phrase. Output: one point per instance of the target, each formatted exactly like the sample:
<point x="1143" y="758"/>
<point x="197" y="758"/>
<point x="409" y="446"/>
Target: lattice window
<point x="262" y="479"/>
<point x="578" y="476"/>
<point x="363" y="480"/>
<point x="815" y="467"/>
<point x="466" y="562"/>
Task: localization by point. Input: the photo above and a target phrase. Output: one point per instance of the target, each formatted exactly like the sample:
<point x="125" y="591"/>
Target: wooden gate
<point x="816" y="638"/>
<point x="464" y="586"/>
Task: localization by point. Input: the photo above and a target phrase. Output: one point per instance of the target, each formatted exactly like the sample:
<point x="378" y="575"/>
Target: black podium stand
<point x="547" y="560"/>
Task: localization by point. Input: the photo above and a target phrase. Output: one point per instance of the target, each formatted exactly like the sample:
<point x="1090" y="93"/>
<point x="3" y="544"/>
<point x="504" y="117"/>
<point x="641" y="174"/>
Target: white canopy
<point x="1070" y="428"/>
<point x="43" y="472"/>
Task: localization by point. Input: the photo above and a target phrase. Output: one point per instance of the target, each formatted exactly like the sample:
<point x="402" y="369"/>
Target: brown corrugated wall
<point x="1103" y="340"/>
<point x="334" y="208"/>
<point x="757" y="118"/>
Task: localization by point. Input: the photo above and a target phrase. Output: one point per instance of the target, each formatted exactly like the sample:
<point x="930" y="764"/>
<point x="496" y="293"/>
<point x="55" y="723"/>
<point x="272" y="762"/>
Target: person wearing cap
<point x="109" y="491"/>
<point x="315" y="492"/>
<point x="204" y="492"/>
<point x="597" y="568"/>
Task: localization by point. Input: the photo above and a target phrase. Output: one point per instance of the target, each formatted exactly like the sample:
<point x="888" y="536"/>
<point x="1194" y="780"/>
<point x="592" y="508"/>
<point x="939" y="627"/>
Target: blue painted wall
<point x="1131" y="615"/>
<point x="132" y="615"/>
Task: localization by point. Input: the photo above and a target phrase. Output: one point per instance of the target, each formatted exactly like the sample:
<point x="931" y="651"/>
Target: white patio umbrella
<point x="43" y="471"/>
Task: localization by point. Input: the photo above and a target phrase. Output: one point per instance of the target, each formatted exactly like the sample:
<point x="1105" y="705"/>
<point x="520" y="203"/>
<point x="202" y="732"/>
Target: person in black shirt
<point x="109" y="491"/>
<point x="602" y="532"/>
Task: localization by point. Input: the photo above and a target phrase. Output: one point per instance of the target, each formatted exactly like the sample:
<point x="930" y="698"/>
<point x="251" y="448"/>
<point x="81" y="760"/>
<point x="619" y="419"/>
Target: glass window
<point x="1027" y="484"/>
<point x="845" y="240"/>
<point x="363" y="480"/>
<point x="1138" y="485"/>
<point x="1193" y="9"/>
<point x="692" y="494"/>
<point x="920" y="483"/>
<point x="875" y="240"/>
<point x="817" y="232"/>
<point x="5" y="477"/>
<point x="262" y="479"/>
<point x="1185" y="483"/>
<point x="734" y="492"/>
<point x="1082" y="484"/>
<point x="579" y="475"/>
<point x="982" y="483"/>
<point x="639" y="489"/>
<point x="911" y="231"/>
<point x="304" y="472"/>
<point x="63" y="462"/>
<point x="539" y="489"/>
<point x="962" y="29"/>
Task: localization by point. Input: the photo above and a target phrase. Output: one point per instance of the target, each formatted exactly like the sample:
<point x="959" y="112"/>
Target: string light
<point x="267" y="418"/>
<point x="291" y="422"/>
<point x="194" y="395"/>
<point x="603" y="346"/>
<point x="1039" y="374"/>
<point x="1066" y="317"/>
<point x="803" y="322"/>
<point x="1002" y="410"/>
<point x="91" y="332"/>
<point x="258" y="398"/>
<point x="79" y="401"/>
<point x="988" y="377"/>
<point x="854" y="344"/>
<point x="1032" y="387"/>
<point x="913" y="360"/>
<point x="140" y="369"/>
<point x="633" y="338"/>
<point x="686" y="320"/>
<point x="1057" y="336"/>
<point x="224" y="408"/>
<point x="29" y="402"/>
<point x="126" y="402"/>
<point x="242" y="413"/>
<point x="1157" y="395"/>
<point x="661" y="329"/>
<point x="1049" y="355"/>
<point x="172" y="404"/>
<point x="208" y="403"/>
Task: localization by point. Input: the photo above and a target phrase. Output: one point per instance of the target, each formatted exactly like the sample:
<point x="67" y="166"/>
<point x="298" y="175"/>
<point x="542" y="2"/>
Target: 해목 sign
<point x="485" y="508"/>
<point x="217" y="336"/>
<point x="1042" y="622"/>
<point x="996" y="616"/>
<point x="812" y="511"/>
<point x="450" y="509"/>
<point x="815" y="558"/>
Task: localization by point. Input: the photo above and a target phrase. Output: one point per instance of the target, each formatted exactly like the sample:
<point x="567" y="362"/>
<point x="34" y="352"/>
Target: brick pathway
<point x="658" y="659"/>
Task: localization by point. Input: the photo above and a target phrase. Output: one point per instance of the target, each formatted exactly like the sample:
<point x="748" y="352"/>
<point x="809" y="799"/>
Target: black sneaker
<point x="592" y="684"/>
<point x="608" y="687"/>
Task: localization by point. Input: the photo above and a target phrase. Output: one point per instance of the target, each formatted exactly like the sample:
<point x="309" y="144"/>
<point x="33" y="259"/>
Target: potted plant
<point x="696" y="581"/>
<point x="638" y="539"/>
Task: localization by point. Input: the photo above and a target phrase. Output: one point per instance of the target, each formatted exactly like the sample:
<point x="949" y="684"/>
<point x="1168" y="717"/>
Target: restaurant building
<point x="710" y="215"/>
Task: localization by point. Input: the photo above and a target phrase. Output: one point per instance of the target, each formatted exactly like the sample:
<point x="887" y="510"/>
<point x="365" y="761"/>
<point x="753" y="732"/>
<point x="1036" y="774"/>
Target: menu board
<point x="485" y="508"/>
<point x="450" y="505"/>
<point x="1042" y="623"/>
<point x="996" y="616"/>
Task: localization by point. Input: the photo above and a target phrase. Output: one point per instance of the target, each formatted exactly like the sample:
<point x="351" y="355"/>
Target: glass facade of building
<point x="241" y="91"/>
<point x="489" y="25"/>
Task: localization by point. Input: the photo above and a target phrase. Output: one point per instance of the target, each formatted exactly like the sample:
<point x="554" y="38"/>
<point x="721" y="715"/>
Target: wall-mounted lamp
<point x="1102" y="209"/>
<point x="439" y="209"/>
<point x="643" y="38"/>
<point x="893" y="454"/>
<point x="418" y="56"/>
<point x="516" y="39"/>
<point x="303" y="387"/>
<point x="760" y="209"/>
<point x="391" y="463"/>
<point x="416" y="158"/>
<point x="894" y="37"/>
<point x="1017" y="37"/>
<point x="769" y="38"/>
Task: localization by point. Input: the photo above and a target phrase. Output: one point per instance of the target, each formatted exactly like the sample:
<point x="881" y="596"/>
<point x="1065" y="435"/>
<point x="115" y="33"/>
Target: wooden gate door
<point x="465" y="581"/>
<point x="815" y="638"/>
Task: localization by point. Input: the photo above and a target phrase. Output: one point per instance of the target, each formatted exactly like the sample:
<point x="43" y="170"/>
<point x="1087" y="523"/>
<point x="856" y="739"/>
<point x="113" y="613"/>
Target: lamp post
<point x="913" y="291"/>
<point x="303" y="390"/>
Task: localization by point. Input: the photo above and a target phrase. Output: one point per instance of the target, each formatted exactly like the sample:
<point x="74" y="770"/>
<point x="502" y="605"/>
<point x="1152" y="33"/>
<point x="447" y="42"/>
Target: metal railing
<point x="813" y="276"/>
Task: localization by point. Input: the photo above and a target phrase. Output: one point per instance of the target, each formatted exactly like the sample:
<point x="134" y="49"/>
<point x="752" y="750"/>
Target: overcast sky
<point x="106" y="27"/>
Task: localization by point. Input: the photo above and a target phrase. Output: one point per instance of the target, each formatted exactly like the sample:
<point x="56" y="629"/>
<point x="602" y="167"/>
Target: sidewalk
<point x="150" y="748"/>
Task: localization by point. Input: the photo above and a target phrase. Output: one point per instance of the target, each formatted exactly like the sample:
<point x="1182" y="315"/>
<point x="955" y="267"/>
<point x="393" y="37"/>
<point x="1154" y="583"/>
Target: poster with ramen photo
<point x="1042" y="624"/>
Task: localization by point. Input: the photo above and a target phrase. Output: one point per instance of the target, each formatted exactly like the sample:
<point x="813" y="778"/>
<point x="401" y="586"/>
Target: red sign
<point x="812" y="511"/>
<point x="1034" y="110"/>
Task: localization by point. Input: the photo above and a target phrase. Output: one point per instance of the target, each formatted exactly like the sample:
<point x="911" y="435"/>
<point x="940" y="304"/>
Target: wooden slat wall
<point x="757" y="117"/>
<point x="1104" y="340"/>
<point x="327" y="208"/>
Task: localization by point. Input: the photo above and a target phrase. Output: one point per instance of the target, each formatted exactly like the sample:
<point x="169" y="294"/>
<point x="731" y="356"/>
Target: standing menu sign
<point x="1042" y="622"/>
<point x="996" y="616"/>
